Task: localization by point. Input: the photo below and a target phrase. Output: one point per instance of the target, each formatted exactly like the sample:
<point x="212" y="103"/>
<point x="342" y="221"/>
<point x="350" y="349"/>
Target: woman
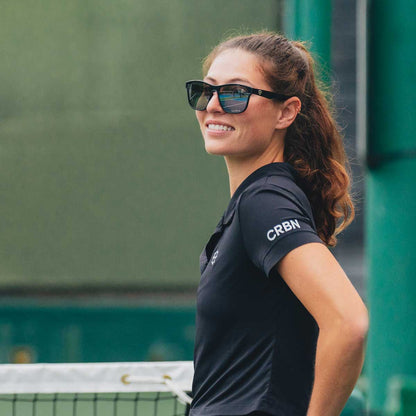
<point x="269" y="284"/>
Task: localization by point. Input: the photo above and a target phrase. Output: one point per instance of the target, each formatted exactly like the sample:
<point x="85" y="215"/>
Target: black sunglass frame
<point x="217" y="88"/>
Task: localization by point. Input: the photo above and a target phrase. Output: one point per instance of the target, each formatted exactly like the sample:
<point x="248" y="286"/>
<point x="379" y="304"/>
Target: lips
<point x="218" y="126"/>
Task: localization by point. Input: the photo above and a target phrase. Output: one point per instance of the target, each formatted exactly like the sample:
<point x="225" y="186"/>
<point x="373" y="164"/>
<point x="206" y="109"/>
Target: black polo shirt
<point x="255" y="342"/>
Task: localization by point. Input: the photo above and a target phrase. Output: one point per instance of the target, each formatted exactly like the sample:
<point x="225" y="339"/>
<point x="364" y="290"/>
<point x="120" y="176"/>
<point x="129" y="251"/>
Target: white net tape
<point x="175" y="376"/>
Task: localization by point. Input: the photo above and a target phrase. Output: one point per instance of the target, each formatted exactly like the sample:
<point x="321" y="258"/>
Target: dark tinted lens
<point x="234" y="98"/>
<point x="199" y="95"/>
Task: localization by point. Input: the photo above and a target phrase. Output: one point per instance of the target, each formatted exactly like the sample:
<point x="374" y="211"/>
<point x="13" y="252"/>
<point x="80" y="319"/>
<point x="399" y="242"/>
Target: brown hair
<point x="313" y="143"/>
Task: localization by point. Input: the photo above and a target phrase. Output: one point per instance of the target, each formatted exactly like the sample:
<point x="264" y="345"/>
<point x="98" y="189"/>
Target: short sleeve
<point x="273" y="222"/>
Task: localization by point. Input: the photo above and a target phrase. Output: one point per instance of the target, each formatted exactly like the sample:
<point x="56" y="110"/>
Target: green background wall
<point x="104" y="179"/>
<point x="88" y="331"/>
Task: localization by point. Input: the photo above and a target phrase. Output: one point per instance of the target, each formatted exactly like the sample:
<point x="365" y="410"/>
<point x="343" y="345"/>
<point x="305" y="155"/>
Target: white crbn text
<point x="282" y="228"/>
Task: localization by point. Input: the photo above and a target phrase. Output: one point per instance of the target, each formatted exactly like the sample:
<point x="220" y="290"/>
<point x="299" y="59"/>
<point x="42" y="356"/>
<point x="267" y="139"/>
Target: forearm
<point x="339" y="360"/>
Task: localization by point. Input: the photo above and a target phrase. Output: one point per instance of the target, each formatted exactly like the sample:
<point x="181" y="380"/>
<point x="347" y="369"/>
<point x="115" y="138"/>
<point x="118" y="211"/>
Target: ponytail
<point x="314" y="147"/>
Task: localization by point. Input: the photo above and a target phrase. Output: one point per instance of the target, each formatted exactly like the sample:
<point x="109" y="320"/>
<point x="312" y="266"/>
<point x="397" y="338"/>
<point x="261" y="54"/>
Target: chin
<point x="215" y="149"/>
<point x="214" y="152"/>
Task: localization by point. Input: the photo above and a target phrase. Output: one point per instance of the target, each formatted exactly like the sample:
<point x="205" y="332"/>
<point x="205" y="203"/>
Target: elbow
<point x="356" y="325"/>
<point x="349" y="327"/>
<point x="359" y="331"/>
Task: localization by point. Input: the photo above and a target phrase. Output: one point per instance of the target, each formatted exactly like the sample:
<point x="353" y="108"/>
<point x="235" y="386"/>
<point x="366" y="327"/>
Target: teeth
<point x="219" y="127"/>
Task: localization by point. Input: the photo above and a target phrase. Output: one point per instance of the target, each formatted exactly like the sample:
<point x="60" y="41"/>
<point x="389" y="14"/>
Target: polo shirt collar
<point x="277" y="168"/>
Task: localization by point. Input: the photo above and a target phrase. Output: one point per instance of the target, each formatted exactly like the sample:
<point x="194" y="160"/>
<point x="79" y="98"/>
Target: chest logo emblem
<point x="214" y="257"/>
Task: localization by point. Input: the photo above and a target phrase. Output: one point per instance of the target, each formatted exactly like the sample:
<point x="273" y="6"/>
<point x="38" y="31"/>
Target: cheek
<point x="257" y="126"/>
<point x="200" y="116"/>
<point x="263" y="120"/>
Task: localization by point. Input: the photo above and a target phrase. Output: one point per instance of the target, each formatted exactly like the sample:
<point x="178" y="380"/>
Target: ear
<point x="289" y="109"/>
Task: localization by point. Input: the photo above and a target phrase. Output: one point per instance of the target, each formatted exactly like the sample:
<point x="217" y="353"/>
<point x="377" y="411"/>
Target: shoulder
<point x="274" y="191"/>
<point x="274" y="217"/>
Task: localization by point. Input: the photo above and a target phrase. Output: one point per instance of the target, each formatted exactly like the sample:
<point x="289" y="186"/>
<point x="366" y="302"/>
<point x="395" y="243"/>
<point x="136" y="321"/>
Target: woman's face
<point x="250" y="134"/>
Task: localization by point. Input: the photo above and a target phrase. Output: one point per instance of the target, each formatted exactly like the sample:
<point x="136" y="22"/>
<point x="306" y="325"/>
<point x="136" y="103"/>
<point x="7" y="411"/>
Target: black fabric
<point x="255" y="342"/>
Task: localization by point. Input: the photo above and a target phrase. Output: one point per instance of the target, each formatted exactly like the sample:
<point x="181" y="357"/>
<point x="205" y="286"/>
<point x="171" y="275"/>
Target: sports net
<point x="99" y="389"/>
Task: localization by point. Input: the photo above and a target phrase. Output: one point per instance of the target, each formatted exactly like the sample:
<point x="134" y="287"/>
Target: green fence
<point x="104" y="178"/>
<point x="84" y="333"/>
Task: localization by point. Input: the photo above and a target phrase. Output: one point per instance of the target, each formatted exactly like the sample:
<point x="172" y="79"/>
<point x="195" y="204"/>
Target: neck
<point x="240" y="168"/>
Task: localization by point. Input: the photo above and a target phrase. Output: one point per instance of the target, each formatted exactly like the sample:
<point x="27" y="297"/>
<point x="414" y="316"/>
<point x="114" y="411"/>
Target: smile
<point x="220" y="127"/>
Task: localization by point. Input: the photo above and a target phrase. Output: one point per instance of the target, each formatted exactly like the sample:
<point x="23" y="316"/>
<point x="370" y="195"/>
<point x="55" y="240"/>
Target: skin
<point x="257" y="138"/>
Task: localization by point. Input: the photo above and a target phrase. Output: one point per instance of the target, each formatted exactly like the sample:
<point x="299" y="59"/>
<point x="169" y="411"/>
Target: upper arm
<point x="318" y="281"/>
<point x="273" y="223"/>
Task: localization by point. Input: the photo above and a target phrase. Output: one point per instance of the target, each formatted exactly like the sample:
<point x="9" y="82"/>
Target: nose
<point x="214" y="105"/>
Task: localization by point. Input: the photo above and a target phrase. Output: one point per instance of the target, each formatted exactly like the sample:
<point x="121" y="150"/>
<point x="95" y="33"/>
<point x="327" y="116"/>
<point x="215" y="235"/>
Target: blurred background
<point x="107" y="194"/>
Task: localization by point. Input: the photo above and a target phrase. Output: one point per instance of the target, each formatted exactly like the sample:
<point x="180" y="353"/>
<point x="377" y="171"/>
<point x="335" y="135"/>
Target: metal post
<point x="310" y="20"/>
<point x="391" y="194"/>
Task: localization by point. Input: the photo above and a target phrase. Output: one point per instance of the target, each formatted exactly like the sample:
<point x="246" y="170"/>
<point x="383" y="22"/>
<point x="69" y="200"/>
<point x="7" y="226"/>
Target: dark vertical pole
<point x="391" y="194"/>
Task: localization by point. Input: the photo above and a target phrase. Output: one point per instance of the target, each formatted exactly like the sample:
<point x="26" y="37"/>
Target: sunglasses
<point x="233" y="98"/>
